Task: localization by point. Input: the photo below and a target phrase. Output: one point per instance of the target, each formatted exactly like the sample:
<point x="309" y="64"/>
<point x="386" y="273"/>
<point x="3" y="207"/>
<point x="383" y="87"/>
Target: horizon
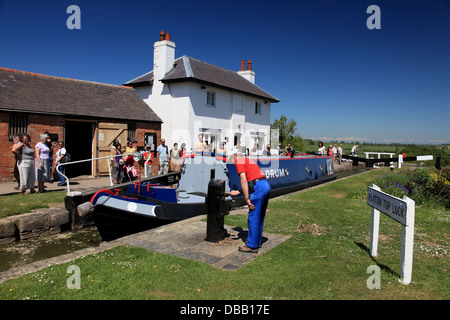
<point x="375" y="143"/>
<point x="335" y="73"/>
<point x="326" y="139"/>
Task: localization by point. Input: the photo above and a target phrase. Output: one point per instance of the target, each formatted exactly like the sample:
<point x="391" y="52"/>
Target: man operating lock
<point x="256" y="190"/>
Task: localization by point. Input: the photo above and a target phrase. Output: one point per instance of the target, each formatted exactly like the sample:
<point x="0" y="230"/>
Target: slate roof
<point x="31" y="92"/>
<point x="191" y="69"/>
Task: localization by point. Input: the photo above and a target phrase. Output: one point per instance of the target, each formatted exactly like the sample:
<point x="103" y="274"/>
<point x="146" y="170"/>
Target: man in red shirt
<point x="256" y="190"/>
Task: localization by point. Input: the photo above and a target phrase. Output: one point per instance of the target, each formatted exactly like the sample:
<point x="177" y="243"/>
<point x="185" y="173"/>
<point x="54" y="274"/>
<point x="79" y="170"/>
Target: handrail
<point x="79" y="161"/>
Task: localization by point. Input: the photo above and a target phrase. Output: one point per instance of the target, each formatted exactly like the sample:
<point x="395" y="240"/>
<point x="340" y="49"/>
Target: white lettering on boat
<point x="275" y="173"/>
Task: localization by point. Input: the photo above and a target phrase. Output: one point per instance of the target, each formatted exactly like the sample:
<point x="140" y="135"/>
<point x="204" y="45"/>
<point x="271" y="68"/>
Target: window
<point x="211" y="99"/>
<point x="238" y="102"/>
<point x="212" y="141"/>
<point x="257" y="107"/>
<point x="17" y="124"/>
<point x="131" y="130"/>
<point x="150" y="140"/>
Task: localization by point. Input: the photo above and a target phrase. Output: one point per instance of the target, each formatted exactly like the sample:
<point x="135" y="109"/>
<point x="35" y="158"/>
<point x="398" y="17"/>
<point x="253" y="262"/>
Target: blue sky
<point x="338" y="79"/>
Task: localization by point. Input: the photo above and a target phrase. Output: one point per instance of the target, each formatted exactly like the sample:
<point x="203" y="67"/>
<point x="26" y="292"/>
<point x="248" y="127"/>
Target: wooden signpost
<point x="402" y="211"/>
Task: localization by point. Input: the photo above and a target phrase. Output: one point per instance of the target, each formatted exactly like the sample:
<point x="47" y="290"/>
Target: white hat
<point x="236" y="152"/>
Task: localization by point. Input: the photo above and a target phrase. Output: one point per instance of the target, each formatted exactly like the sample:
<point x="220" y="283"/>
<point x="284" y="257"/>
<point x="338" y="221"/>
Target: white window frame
<point x="210" y="98"/>
<point x="258" y="107"/>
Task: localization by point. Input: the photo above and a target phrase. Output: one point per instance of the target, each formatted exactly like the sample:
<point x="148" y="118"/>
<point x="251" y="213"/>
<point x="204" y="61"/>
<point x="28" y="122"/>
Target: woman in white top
<point x="321" y="147"/>
<point x="42" y="162"/>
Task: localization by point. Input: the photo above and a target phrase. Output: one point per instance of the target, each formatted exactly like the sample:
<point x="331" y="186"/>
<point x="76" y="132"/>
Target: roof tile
<point x="31" y="92"/>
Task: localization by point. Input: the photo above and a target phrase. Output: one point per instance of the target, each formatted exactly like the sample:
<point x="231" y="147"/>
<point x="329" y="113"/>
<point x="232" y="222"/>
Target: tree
<point x="286" y="129"/>
<point x="286" y="133"/>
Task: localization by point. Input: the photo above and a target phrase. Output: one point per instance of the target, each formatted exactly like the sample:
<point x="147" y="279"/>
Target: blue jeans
<point x="259" y="198"/>
<point x="62" y="180"/>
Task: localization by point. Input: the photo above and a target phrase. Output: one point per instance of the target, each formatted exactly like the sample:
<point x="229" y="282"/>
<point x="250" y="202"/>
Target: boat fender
<point x="85" y="209"/>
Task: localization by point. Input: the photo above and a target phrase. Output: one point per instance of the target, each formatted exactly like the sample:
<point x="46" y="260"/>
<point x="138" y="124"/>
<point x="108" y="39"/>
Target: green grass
<point x="324" y="258"/>
<point x="15" y="204"/>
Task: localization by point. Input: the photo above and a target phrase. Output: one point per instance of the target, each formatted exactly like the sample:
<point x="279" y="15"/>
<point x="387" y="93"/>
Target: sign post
<point x="402" y="211"/>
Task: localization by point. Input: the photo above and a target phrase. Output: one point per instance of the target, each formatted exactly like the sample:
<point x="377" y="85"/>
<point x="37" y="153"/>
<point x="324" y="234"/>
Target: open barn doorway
<point x="78" y="143"/>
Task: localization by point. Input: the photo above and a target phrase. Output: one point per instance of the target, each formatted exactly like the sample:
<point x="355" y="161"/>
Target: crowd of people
<point x="170" y="160"/>
<point x="335" y="152"/>
<point x="123" y="161"/>
<point x="124" y="165"/>
<point x="37" y="162"/>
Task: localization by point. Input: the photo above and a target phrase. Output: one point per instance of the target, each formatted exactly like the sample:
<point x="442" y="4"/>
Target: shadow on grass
<point x="380" y="265"/>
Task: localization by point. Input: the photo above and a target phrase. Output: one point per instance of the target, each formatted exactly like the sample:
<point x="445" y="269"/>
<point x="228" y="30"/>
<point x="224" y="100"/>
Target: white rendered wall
<point x="183" y="109"/>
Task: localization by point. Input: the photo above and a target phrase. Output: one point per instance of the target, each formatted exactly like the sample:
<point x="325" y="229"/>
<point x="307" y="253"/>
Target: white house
<point x="192" y="97"/>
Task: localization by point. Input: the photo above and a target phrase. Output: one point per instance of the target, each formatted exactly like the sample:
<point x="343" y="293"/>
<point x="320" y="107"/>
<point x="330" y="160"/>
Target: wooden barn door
<point x="107" y="132"/>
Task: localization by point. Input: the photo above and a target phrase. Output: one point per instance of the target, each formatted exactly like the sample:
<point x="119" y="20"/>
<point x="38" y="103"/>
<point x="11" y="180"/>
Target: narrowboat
<point x="144" y="205"/>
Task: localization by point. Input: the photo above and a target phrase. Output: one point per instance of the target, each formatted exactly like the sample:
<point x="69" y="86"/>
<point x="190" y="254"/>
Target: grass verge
<point x="15" y="204"/>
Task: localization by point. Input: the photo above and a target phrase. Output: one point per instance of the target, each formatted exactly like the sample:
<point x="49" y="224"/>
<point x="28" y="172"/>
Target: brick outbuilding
<point x="86" y="115"/>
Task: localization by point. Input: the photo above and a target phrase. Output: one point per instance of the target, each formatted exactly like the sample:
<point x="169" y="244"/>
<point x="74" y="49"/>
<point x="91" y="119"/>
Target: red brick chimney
<point x="247" y="73"/>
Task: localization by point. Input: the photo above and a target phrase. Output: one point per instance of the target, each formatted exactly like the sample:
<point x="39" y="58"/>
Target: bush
<point x="425" y="186"/>
<point x="393" y="184"/>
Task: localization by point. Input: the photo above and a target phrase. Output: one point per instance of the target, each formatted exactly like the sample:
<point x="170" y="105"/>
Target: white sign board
<point x="401" y="210"/>
<point x="424" y="158"/>
<point x="389" y="205"/>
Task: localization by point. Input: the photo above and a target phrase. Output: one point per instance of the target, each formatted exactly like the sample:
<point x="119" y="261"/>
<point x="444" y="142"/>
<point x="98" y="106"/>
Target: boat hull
<point x="113" y="223"/>
<point x="146" y="206"/>
<point x="117" y="216"/>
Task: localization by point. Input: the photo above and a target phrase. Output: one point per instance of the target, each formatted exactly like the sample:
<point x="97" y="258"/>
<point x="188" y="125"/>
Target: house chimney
<point x="163" y="59"/>
<point x="248" y="73"/>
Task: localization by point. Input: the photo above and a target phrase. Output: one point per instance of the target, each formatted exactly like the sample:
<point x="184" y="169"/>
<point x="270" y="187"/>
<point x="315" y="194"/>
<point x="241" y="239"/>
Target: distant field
<point x="347" y="147"/>
<point x="385" y="148"/>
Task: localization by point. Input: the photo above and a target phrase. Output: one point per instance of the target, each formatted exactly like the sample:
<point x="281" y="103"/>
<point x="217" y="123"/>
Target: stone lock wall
<point x="34" y="224"/>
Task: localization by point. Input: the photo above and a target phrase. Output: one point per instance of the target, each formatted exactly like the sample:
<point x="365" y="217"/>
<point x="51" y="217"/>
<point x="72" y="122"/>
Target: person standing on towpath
<point x="256" y="190"/>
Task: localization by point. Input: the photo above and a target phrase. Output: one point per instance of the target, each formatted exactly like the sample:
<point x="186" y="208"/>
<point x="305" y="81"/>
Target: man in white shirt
<point x="335" y="150"/>
<point x="163" y="155"/>
<point x="60" y="154"/>
<point x="340" y="153"/>
<point x="200" y="145"/>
